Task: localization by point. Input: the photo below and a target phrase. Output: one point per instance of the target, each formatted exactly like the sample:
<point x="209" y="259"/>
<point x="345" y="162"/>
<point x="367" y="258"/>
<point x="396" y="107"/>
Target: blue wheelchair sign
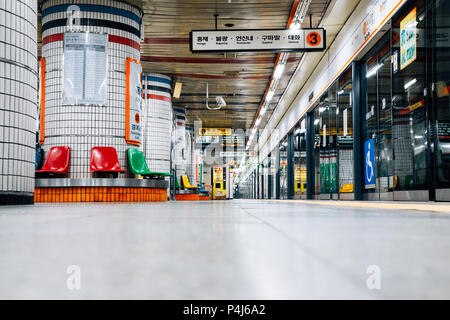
<point x="369" y="164"/>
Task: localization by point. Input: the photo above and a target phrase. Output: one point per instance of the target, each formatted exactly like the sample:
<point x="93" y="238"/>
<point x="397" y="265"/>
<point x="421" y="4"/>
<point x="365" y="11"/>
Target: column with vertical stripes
<point x="82" y="127"/>
<point x="158" y="121"/>
<point x="180" y="142"/>
<point x="18" y="100"/>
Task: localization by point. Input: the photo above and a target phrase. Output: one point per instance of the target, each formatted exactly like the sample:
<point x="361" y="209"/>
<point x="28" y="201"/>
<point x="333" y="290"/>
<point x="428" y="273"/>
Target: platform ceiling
<point x="241" y="78"/>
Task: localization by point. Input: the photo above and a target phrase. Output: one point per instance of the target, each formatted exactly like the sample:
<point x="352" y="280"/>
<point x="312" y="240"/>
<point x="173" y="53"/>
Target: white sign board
<point x="277" y="40"/>
<point x="232" y="154"/>
<point x="85" y="63"/>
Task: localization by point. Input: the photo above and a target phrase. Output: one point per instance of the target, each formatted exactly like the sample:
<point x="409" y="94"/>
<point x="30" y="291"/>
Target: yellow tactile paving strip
<point x="437" y="207"/>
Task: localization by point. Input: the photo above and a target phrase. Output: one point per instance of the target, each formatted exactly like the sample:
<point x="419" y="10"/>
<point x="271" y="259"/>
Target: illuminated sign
<point x="277" y="40"/>
<point x="214" y="131"/>
<point x="408" y="42"/>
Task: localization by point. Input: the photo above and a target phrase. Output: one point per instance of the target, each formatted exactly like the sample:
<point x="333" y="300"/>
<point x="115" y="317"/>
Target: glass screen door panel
<point x="300" y="160"/>
<point x="317" y="152"/>
<point x="283" y="169"/>
<point x="345" y="136"/>
<point x="409" y="104"/>
<point x="383" y="142"/>
<point x="332" y="141"/>
<point x="441" y="80"/>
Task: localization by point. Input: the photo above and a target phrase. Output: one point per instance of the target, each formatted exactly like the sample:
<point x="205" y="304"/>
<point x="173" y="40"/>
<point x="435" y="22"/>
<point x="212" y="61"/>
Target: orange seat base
<point x="187" y="197"/>
<point x="99" y="194"/>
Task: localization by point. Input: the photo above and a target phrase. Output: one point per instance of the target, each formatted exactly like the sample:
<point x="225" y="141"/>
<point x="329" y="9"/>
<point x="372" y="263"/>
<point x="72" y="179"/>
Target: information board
<point x="275" y="40"/>
<point x="85" y="66"/>
<point x="408" y="40"/>
<point x="133" y="102"/>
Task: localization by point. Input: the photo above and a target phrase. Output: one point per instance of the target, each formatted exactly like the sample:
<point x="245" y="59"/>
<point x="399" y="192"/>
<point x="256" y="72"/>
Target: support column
<point x="310" y="182"/>
<point x="277" y="173"/>
<point x="18" y="100"/>
<point x="290" y="166"/>
<point x="357" y="132"/>
<point x="180" y="142"/>
<point x="82" y="127"/>
<point x="158" y="121"/>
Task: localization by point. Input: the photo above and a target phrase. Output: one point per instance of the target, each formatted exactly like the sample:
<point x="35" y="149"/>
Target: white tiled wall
<point x="158" y="122"/>
<point x="82" y="127"/>
<point x="180" y="153"/>
<point x="18" y="94"/>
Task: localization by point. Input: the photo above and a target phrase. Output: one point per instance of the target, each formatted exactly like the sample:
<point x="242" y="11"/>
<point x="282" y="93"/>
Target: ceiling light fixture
<point x="270" y="95"/>
<point x="410" y="83"/>
<point x="278" y="71"/>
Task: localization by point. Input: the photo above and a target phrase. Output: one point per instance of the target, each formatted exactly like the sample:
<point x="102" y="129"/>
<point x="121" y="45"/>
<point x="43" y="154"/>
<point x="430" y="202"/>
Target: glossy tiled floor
<point x="222" y="250"/>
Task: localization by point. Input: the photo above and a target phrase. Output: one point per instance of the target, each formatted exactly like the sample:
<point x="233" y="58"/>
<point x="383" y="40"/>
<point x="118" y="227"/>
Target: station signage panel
<point x="214" y="131"/>
<point x="273" y="40"/>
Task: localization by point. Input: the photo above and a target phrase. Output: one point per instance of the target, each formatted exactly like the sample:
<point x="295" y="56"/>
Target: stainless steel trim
<point x="101" y="182"/>
<point x="187" y="192"/>
<point x="442" y="194"/>
<point x="386" y="196"/>
<point x="373" y="196"/>
<point x="411" y="195"/>
<point x="347" y="196"/>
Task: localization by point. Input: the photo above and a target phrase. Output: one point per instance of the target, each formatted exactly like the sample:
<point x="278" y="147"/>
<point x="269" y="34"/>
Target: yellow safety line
<point x="439" y="208"/>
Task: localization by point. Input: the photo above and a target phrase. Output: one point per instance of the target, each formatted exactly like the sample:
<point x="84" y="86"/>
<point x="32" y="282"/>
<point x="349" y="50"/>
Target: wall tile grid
<point x="82" y="127"/>
<point x="180" y="142"/>
<point x="18" y="96"/>
<point x="158" y="122"/>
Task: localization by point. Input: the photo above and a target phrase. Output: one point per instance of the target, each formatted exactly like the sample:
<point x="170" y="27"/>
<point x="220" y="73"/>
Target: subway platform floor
<point x="240" y="249"/>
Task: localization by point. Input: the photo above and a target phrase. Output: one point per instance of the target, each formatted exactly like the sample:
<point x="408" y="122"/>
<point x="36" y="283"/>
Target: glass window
<point x="300" y="160"/>
<point x="441" y="71"/>
<point x="283" y="169"/>
<point x="409" y="127"/>
<point x="378" y="116"/>
<point x="345" y="132"/>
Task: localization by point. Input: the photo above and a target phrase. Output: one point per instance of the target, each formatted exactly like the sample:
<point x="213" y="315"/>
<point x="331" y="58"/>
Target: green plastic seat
<point x="178" y="186"/>
<point x="138" y="165"/>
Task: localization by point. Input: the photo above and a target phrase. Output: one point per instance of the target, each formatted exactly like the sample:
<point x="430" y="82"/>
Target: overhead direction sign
<point x="214" y="131"/>
<point x="273" y="40"/>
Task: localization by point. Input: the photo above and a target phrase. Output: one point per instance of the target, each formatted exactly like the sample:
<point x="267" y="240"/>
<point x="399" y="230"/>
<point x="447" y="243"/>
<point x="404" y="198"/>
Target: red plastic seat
<point x="57" y="161"/>
<point x="104" y="159"/>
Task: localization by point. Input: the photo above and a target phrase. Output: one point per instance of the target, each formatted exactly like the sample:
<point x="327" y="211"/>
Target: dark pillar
<point x="277" y="172"/>
<point x="310" y="183"/>
<point x="357" y="131"/>
<point x="290" y="165"/>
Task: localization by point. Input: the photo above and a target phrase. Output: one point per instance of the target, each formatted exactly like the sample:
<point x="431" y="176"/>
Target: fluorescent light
<point x="321" y="109"/>
<point x="374" y="70"/>
<point x="341" y="92"/>
<point x="263" y="110"/>
<point x="270" y="95"/>
<point x="258" y="121"/>
<point x="295" y="25"/>
<point x="278" y="71"/>
<point x="410" y="83"/>
<point x="316" y="121"/>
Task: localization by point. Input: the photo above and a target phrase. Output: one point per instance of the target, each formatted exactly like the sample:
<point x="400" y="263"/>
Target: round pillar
<point x="82" y="127"/>
<point x="18" y="100"/>
<point x="158" y="121"/>
<point x="180" y="142"/>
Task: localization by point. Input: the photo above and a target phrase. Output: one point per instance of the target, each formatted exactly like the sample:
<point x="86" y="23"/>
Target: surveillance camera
<point x="220" y="101"/>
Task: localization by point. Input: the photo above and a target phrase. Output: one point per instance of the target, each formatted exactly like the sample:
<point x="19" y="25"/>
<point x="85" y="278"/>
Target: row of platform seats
<point x="103" y="160"/>
<point x="187" y="185"/>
